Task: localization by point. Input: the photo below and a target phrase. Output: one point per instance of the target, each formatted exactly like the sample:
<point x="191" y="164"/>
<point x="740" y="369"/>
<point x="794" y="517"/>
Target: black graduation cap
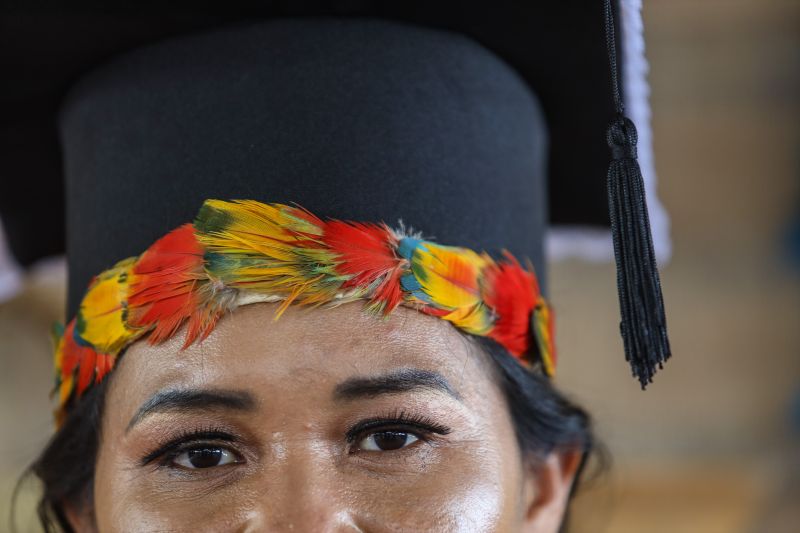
<point x="477" y="126"/>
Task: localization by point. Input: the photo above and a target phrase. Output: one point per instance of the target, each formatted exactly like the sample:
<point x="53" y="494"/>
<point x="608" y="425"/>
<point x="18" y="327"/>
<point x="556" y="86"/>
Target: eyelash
<point x="420" y="425"/>
<point x="187" y="440"/>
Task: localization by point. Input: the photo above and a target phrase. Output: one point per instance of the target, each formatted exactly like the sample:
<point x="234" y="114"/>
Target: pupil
<point x="205" y="457"/>
<point x="390" y="440"/>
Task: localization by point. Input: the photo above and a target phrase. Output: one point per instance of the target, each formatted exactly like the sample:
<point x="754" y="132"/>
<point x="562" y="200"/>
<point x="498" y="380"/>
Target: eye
<point x="384" y="441"/>
<point x="205" y="457"/>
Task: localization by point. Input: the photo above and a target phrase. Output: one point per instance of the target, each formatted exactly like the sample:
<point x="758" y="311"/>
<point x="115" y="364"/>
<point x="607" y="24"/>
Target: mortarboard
<point x="557" y="48"/>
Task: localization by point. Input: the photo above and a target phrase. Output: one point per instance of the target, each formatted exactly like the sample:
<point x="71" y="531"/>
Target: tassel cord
<point x="643" y="321"/>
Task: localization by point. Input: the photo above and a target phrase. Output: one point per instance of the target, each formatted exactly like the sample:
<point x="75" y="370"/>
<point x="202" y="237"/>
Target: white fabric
<point x="10" y="271"/>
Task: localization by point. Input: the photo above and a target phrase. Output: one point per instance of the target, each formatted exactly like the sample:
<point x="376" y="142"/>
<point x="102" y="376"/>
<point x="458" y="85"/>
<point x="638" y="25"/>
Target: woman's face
<point x="322" y="421"/>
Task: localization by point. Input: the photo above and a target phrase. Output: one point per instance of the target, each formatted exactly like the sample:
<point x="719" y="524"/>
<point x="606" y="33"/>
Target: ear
<point x="80" y="518"/>
<point x="547" y="489"/>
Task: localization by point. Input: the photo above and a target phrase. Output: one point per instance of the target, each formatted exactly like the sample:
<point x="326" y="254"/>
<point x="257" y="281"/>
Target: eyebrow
<point x="184" y="400"/>
<point x="403" y="380"/>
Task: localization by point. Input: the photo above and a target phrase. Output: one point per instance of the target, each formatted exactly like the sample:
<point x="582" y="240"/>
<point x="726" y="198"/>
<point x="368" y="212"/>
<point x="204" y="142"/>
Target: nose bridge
<point x="305" y="491"/>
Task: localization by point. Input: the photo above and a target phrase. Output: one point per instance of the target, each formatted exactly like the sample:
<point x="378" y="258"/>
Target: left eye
<point x="383" y="441"/>
<point x="205" y="457"/>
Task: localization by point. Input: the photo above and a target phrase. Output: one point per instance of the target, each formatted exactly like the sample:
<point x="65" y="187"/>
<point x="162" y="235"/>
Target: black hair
<point x="66" y="466"/>
<point x="544" y="421"/>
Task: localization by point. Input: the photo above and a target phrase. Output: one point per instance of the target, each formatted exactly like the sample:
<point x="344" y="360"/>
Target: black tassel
<point x="643" y="325"/>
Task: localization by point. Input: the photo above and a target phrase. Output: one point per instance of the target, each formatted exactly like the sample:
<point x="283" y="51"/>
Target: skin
<point x="279" y="398"/>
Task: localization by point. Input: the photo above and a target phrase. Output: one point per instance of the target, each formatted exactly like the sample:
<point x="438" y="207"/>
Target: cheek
<point x="127" y="500"/>
<point x="471" y="493"/>
<point x="488" y="498"/>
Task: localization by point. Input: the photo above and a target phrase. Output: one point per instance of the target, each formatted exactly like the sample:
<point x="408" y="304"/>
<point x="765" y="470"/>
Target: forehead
<point x="250" y="347"/>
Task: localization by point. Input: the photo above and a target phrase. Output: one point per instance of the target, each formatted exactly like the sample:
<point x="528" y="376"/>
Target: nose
<point x="306" y="493"/>
<point x="311" y="519"/>
<point x="310" y="509"/>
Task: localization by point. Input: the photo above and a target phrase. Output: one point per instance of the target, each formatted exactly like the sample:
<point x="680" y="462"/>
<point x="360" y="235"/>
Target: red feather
<point x="434" y="311"/>
<point x="366" y="253"/>
<point x="86" y="370"/>
<point x="105" y="363"/>
<point x="76" y="356"/>
<point x="389" y="293"/>
<point x="70" y="351"/>
<point x="164" y="278"/>
<point x="202" y="323"/>
<point x="512" y="292"/>
<point x="303" y="214"/>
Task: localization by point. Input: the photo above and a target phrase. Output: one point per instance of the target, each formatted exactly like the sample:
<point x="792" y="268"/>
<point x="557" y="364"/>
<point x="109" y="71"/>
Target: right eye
<point x="205" y="457"/>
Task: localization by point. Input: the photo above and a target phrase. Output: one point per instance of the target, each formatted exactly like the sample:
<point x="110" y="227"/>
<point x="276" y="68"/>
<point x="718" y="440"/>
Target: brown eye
<point x="205" y="457"/>
<point x="384" y="441"/>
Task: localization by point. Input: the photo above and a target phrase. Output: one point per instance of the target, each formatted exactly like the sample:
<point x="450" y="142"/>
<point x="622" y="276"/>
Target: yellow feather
<point x="544" y="339"/>
<point x="448" y="274"/>
<point x="65" y="389"/>
<point x="102" y="320"/>
<point x="58" y="354"/>
<point x="251" y="226"/>
<point x="475" y="319"/>
<point x="264" y="248"/>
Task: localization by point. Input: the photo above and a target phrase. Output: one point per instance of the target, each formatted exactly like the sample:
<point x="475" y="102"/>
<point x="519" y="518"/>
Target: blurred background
<point x="714" y="444"/>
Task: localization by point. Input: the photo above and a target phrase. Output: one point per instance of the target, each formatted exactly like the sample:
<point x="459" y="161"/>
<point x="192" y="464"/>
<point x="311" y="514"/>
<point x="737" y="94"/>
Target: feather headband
<point x="243" y="252"/>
